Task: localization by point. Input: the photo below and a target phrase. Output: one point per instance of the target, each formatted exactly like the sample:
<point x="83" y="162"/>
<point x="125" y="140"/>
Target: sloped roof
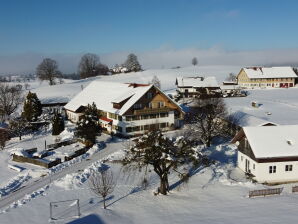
<point x="273" y="141"/>
<point x="270" y="72"/>
<point x="196" y="81"/>
<point x="103" y="94"/>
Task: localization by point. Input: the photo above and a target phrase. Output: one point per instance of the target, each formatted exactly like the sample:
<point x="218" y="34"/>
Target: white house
<point x="266" y="77"/>
<point x="127" y="108"/>
<point x="197" y="86"/>
<point x="269" y="153"/>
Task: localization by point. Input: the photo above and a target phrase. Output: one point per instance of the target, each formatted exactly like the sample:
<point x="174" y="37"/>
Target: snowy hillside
<point x="64" y="92"/>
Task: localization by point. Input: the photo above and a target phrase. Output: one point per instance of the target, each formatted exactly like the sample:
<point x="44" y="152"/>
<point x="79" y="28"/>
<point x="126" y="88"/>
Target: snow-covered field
<point x="216" y="194"/>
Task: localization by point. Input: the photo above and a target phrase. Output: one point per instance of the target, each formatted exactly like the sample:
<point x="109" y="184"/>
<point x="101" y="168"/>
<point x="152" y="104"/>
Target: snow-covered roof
<point x="227" y="87"/>
<point x="273" y="141"/>
<point x="270" y="72"/>
<point x="196" y="81"/>
<point x="103" y="94"/>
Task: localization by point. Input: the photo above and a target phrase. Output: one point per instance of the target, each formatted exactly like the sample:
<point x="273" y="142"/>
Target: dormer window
<point x="137" y="106"/>
<point x="149" y="95"/>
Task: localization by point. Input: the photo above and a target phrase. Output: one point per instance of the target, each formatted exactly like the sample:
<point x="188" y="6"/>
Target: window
<point x="241" y="158"/>
<point x="163" y="125"/>
<point x="137" y="106"/>
<point x="272" y="169"/>
<point x="254" y="166"/>
<point x="161" y="104"/>
<point x="118" y="128"/>
<point x="149" y="95"/>
<point x="289" y="167"/>
<point x="164" y="114"/>
<point x="149" y="105"/>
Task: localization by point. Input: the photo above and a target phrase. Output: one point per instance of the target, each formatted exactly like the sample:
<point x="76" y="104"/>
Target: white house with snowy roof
<point x="127" y="108"/>
<point x="269" y="153"/>
<point x="197" y="86"/>
<point x="266" y="77"/>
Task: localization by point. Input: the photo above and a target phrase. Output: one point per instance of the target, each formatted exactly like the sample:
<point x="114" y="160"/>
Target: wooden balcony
<point x="151" y="111"/>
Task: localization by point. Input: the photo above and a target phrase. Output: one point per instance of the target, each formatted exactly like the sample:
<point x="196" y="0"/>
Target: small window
<point x="241" y="158"/>
<point x="289" y="167"/>
<point x="254" y="166"/>
<point x="137" y="106"/>
<point x="149" y="95"/>
<point x="161" y="104"/>
<point x="272" y="169"/>
<point x="149" y="105"/>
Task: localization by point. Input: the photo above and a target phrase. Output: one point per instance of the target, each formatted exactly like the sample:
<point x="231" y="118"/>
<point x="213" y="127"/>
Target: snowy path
<point x="37" y="184"/>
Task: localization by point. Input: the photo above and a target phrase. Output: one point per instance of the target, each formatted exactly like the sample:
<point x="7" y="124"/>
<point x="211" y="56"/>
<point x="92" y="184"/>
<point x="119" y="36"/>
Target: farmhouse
<point x="269" y="153"/>
<point x="199" y="87"/>
<point x="266" y="77"/>
<point x="127" y="109"/>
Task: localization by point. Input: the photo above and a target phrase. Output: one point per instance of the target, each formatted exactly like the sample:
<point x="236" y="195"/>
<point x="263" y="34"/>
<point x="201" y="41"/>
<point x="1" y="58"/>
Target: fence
<point x="265" y="192"/>
<point x="59" y="144"/>
<point x="39" y="162"/>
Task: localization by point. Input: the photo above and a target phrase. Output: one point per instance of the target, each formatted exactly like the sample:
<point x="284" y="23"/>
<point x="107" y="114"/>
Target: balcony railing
<point x="151" y="111"/>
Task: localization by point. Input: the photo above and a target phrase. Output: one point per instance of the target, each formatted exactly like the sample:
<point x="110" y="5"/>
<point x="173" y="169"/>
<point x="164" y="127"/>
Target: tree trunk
<point x="163" y="185"/>
<point x="104" y="203"/>
<point x="208" y="143"/>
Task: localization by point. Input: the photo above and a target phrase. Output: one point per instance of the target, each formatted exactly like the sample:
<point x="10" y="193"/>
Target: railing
<point x="265" y="192"/>
<point x="152" y="110"/>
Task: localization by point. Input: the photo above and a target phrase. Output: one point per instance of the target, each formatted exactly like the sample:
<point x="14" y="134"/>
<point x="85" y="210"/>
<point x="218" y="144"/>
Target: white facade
<point x="273" y="172"/>
<point x="72" y="116"/>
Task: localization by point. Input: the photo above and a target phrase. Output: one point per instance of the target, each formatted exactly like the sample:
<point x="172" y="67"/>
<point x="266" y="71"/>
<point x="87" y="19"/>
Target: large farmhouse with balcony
<point x="127" y="109"/>
<point x="266" y="77"/>
<point x="269" y="153"/>
<point x="199" y="87"/>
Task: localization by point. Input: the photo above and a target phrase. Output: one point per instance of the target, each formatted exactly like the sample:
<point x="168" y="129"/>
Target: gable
<point x="157" y="96"/>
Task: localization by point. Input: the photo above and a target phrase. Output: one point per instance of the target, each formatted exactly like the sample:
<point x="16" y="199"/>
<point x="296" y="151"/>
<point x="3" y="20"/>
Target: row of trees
<point x="89" y="66"/>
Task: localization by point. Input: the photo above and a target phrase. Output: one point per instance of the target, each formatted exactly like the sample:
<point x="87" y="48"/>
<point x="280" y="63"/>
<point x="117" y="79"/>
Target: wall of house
<point x="72" y="116"/>
<point x="281" y="174"/>
<point x="241" y="161"/>
<point x="261" y="170"/>
<point x="245" y="82"/>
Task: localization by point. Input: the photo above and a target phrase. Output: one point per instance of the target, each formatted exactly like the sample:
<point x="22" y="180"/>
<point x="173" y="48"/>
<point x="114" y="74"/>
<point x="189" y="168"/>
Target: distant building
<point x="199" y="87"/>
<point x="127" y="109"/>
<point x="266" y="77"/>
<point x="269" y="153"/>
<point x="230" y="88"/>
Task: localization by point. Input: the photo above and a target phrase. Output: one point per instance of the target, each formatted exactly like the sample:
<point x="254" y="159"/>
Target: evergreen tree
<point x="132" y="63"/>
<point x="32" y="107"/>
<point x="58" y="124"/>
<point x="88" y="126"/>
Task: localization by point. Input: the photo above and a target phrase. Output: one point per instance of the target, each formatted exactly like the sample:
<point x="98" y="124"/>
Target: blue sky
<point x="162" y="33"/>
<point x="73" y="26"/>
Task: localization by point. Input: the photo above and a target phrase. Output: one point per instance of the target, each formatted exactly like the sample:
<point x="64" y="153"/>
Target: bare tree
<point x="102" y="183"/>
<point x="163" y="154"/>
<point x="47" y="70"/>
<point x="155" y="81"/>
<point x="194" y="61"/>
<point x="10" y="99"/>
<point x="18" y="127"/>
<point x="209" y="119"/>
<point x="90" y="66"/>
<point x="231" y="77"/>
